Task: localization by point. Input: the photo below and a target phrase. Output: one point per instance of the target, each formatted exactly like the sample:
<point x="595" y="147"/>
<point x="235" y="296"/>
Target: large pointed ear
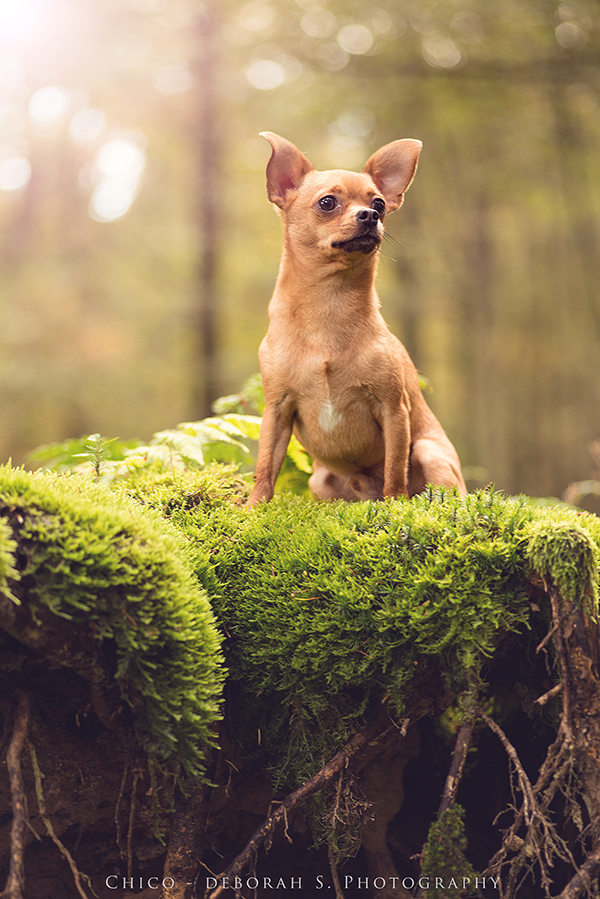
<point x="393" y="168"/>
<point x="286" y="168"/>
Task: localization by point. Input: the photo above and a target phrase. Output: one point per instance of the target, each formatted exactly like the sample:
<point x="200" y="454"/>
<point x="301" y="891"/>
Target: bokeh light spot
<point x="441" y="51"/>
<point x="111" y="200"/>
<point x="48" y="105"/>
<point x="318" y="22"/>
<point x="382" y="22"/>
<point x="265" y="74"/>
<point x="332" y="57"/>
<point x="570" y="35"/>
<point x="120" y="163"/>
<point x="15" y="173"/>
<point x="355" y="124"/>
<point x="355" y="39"/>
<point x="256" y="17"/>
<point x="120" y="159"/>
<point x="469" y="25"/>
<point x="87" y="125"/>
<point x="173" y="76"/>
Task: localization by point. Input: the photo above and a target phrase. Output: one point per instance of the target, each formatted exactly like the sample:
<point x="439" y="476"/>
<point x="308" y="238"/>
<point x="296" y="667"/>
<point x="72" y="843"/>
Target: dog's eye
<point x="327" y="204"/>
<point x="378" y="205"/>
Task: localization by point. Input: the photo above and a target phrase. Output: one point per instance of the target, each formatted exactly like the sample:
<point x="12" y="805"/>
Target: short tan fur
<point x="332" y="372"/>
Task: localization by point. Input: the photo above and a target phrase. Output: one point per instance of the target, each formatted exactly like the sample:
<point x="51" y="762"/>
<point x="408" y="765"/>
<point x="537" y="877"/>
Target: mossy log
<point x="407" y="622"/>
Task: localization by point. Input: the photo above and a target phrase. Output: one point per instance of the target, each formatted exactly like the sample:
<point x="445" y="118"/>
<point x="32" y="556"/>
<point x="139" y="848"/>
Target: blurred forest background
<point x="138" y="250"/>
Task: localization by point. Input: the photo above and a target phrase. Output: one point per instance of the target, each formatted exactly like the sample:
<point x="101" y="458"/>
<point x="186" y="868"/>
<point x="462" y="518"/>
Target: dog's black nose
<point x="367" y="216"/>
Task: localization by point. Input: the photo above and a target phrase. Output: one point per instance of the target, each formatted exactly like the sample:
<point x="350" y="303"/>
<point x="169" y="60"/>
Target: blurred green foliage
<point x="191" y="446"/>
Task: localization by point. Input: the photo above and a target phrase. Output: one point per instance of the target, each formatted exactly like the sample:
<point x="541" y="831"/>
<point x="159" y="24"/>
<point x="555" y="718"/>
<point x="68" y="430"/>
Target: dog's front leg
<point x="275" y="433"/>
<point x="396" y="438"/>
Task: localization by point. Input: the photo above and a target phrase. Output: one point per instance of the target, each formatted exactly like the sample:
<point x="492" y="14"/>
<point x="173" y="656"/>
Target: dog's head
<point x="339" y="212"/>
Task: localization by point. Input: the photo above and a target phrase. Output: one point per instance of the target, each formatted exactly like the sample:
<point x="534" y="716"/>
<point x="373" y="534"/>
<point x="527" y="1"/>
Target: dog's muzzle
<point x="367" y="237"/>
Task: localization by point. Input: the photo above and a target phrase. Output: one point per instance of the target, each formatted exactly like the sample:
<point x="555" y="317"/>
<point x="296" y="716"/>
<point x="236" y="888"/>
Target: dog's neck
<point x="340" y="287"/>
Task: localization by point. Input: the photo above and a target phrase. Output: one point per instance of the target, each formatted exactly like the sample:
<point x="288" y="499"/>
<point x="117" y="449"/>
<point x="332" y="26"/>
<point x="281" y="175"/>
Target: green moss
<point x="330" y="609"/>
<point x="122" y="573"/>
<point x="444" y="859"/>
<point x="7" y="548"/>
<point x="565" y="553"/>
<point x="168" y="491"/>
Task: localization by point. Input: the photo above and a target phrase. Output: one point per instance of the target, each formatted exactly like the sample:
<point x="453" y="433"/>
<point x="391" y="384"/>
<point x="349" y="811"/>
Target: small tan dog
<point x="332" y="371"/>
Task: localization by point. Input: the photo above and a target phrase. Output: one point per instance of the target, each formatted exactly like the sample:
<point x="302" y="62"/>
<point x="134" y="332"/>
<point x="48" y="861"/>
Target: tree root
<point x="541" y="842"/>
<point x="583" y="879"/>
<point x="360" y="740"/>
<point x="453" y="778"/>
<point x="459" y="756"/>
<point x="77" y="875"/>
<point x="16" y="876"/>
<point x="136" y="777"/>
<point x="122" y="849"/>
<point x="334" y="872"/>
<point x="575" y="748"/>
<point x="188" y="828"/>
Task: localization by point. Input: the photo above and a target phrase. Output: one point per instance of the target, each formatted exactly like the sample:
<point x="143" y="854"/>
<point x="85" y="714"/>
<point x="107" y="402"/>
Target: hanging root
<point x="16" y="876"/>
<point x="334" y="872"/>
<point x="461" y="748"/>
<point x="118" y="809"/>
<point x="584" y="878"/>
<point x="136" y="777"/>
<point x="541" y="843"/>
<point x="459" y="756"/>
<point x="77" y="875"/>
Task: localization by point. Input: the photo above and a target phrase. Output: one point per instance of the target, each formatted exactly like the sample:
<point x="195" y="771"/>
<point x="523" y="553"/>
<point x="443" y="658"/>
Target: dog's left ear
<point x="393" y="168"/>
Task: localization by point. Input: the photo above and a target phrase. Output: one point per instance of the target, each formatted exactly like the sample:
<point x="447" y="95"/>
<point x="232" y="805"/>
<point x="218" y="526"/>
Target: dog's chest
<point x="329" y="417"/>
<point x="332" y="399"/>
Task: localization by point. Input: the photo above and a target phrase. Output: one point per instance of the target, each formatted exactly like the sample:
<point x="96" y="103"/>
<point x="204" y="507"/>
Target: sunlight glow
<point x="22" y="21"/>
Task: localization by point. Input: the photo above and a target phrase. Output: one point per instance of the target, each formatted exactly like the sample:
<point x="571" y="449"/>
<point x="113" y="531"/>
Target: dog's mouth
<point x="360" y="243"/>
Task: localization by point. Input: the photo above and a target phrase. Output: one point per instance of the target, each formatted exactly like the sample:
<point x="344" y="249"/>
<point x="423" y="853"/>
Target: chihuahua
<point x="332" y="372"/>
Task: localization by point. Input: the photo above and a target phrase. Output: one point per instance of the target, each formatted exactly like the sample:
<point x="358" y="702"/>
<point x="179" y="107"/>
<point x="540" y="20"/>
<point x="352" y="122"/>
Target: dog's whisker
<point x="387" y="256"/>
<point x="393" y="240"/>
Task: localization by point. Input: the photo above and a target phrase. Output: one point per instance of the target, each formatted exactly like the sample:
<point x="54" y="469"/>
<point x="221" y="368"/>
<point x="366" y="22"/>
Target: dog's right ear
<point x="286" y="168"/>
